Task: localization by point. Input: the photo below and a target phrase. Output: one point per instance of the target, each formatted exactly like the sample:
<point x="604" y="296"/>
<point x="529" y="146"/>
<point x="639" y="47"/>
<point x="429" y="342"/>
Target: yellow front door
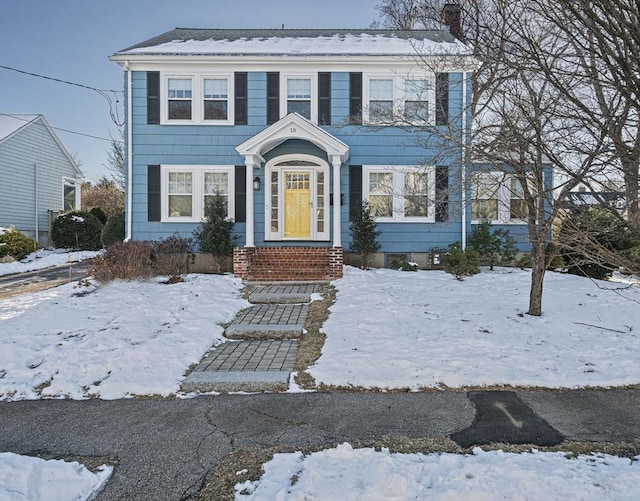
<point x="297" y="204"/>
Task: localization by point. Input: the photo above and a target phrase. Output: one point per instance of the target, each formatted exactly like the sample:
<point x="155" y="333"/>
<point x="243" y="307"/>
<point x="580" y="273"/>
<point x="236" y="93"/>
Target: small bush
<point x="459" y="263"/>
<point x="364" y="235"/>
<point x="214" y="234"/>
<point x="494" y="247"/>
<point x="15" y="244"/>
<point x="403" y="265"/>
<point x="171" y="257"/>
<point x="113" y="230"/>
<point x="125" y="260"/>
<point x="100" y="214"/>
<point x="77" y="230"/>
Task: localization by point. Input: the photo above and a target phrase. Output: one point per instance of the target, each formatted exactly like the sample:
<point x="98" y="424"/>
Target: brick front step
<point x="280" y="264"/>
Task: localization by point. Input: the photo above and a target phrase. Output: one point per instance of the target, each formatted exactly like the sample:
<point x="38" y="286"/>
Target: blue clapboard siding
<point x="31" y="149"/>
<point x="215" y="145"/>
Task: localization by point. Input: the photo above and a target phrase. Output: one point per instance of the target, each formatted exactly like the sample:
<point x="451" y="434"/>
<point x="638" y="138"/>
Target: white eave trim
<point x="293" y="126"/>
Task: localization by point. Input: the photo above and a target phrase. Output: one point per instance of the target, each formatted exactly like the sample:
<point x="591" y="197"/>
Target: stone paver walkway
<point x="269" y="321"/>
<point x="251" y="356"/>
<point x="266" y="354"/>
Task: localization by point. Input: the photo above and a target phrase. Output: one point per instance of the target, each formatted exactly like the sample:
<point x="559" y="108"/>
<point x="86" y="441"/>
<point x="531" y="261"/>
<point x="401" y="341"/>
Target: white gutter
<point x="463" y="162"/>
<point x="129" y="180"/>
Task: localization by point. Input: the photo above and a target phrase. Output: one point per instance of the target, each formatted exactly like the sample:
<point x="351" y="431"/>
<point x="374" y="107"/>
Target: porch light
<point x="256" y="183"/>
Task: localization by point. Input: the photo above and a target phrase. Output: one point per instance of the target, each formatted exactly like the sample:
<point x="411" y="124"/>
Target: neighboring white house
<point x="38" y="176"/>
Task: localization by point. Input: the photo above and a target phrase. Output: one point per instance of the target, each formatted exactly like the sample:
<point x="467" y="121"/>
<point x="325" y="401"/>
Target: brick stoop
<point x="278" y="264"/>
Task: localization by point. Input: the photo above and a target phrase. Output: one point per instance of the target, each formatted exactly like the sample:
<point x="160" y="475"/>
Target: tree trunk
<point x="631" y="177"/>
<point x="538" y="268"/>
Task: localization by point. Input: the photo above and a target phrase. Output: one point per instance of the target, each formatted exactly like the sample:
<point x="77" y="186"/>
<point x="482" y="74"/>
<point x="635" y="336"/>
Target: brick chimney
<point x="451" y="17"/>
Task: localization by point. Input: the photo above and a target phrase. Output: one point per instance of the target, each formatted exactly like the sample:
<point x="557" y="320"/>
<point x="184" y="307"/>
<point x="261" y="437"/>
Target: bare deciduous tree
<point x="547" y="95"/>
<point x="104" y="194"/>
<point x="116" y="160"/>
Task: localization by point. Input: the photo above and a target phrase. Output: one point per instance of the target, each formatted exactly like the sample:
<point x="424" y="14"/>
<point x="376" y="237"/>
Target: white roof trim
<point x="293" y="126"/>
<point x="40" y="118"/>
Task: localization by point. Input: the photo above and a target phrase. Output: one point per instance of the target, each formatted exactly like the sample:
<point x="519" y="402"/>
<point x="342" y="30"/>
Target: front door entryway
<point x="297" y="204"/>
<point x="297" y="199"/>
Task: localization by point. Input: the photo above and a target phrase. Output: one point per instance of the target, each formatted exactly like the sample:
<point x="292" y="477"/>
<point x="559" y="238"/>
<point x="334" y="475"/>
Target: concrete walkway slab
<point x="244" y="366"/>
<point x="269" y="321"/>
<point x="202" y="382"/>
<point x="283" y="294"/>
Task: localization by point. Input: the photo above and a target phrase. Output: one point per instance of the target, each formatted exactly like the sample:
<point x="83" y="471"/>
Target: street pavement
<point x="37" y="280"/>
<point x="165" y="449"/>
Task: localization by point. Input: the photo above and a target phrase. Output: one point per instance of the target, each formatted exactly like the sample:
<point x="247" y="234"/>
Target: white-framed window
<point x="300" y="95"/>
<point x="400" y="193"/>
<point x="196" y="99"/>
<point x="179" y="98"/>
<point x="70" y="194"/>
<point x="215" y="94"/>
<point x="186" y="189"/>
<point x="404" y="99"/>
<point x="417" y="95"/>
<point x="497" y="197"/>
<point x="381" y="100"/>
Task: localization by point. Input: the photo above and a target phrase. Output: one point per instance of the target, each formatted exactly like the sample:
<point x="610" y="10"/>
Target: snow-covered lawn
<point x="387" y="329"/>
<point x="354" y="474"/>
<point x="392" y="329"/>
<point x="45" y="258"/>
<point x="23" y="477"/>
<point x="122" y="339"/>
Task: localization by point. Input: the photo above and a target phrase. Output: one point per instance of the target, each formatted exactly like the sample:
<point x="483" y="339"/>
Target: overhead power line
<point x="113" y="108"/>
<point x="17" y="117"/>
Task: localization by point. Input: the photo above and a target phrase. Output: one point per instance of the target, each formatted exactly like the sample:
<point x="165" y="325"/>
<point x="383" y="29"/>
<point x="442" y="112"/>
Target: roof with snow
<point x="299" y="42"/>
<point x="11" y="123"/>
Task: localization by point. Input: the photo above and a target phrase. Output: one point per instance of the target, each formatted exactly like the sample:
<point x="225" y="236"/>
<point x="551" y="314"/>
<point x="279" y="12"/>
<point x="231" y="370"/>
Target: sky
<point x="72" y="39"/>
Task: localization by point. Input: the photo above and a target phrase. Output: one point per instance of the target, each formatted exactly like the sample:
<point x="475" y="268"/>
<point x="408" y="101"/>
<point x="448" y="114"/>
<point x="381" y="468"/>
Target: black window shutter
<point x="355" y="191"/>
<point x="442" y="98"/>
<point x="153" y="97"/>
<point x="355" y="98"/>
<point x="273" y="97"/>
<point x="442" y="194"/>
<point x="153" y="193"/>
<point x="324" y="98"/>
<point x="240" y="194"/>
<point x="240" y="97"/>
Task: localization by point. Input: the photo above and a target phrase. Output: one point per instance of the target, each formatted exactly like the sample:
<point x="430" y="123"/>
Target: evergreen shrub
<point x="364" y="235"/>
<point x="214" y="235"/>
<point x="113" y="230"/>
<point x="461" y="263"/>
<point x="15" y="244"/>
<point x="495" y="247"/>
<point x="77" y="230"/>
<point x="100" y="214"/>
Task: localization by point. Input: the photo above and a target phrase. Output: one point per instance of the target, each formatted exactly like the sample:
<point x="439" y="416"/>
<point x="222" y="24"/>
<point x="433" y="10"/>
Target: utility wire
<point x="17" y="117"/>
<point x="113" y="108"/>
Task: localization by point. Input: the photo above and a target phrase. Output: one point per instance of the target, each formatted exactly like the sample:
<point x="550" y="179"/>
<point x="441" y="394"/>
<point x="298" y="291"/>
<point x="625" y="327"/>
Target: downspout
<point x="35" y="189"/>
<point x="463" y="162"/>
<point x="129" y="182"/>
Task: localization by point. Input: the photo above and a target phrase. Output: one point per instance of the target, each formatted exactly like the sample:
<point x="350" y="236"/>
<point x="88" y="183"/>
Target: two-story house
<point x="295" y="128"/>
